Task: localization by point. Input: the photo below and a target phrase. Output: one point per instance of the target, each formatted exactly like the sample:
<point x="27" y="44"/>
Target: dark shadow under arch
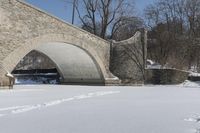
<point x="28" y="71"/>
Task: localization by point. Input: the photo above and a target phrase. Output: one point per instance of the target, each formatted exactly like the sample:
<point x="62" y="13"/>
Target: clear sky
<point x="141" y="4"/>
<point x="63" y="10"/>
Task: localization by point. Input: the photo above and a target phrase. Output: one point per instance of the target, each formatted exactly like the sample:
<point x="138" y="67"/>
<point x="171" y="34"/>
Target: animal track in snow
<point x="26" y="108"/>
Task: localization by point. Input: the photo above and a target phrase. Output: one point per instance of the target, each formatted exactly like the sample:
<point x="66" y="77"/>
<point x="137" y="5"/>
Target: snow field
<point x="100" y="109"/>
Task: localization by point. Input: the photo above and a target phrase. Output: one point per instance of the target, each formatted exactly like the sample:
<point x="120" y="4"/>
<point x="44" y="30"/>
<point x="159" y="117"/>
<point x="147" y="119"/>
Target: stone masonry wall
<point x="165" y="76"/>
<point x="128" y="58"/>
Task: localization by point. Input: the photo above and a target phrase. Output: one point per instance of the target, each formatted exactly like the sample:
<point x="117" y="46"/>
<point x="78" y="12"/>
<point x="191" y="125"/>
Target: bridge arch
<point x="59" y="41"/>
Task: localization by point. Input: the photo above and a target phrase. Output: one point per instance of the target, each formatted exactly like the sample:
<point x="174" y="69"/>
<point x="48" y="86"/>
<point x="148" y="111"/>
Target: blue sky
<point x="63" y="10"/>
<point x="141" y="4"/>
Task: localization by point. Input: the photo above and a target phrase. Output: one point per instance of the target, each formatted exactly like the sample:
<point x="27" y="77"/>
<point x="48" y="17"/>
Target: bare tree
<point x="126" y="27"/>
<point x="174" y="29"/>
<point x="99" y="16"/>
<point x="192" y="9"/>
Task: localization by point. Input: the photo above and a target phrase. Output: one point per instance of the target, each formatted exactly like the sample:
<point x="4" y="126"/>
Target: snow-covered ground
<point x="94" y="109"/>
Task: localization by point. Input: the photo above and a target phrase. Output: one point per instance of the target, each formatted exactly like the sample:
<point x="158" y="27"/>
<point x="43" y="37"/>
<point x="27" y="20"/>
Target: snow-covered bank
<point x="189" y="83"/>
<point x="194" y="74"/>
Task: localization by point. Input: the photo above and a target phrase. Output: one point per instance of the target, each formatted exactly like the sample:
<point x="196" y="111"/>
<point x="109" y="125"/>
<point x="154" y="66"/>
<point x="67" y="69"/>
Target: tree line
<point x="173" y="27"/>
<point x="107" y="18"/>
<point x="174" y="33"/>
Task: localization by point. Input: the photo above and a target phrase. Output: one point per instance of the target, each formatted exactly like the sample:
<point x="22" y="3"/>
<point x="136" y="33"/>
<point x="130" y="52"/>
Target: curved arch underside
<point x="74" y="64"/>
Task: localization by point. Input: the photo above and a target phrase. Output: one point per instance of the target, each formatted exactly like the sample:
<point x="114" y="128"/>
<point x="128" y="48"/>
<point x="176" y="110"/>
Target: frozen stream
<point x="94" y="109"/>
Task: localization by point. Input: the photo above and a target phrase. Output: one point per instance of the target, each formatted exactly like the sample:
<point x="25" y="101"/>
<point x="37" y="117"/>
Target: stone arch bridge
<point x="78" y="55"/>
